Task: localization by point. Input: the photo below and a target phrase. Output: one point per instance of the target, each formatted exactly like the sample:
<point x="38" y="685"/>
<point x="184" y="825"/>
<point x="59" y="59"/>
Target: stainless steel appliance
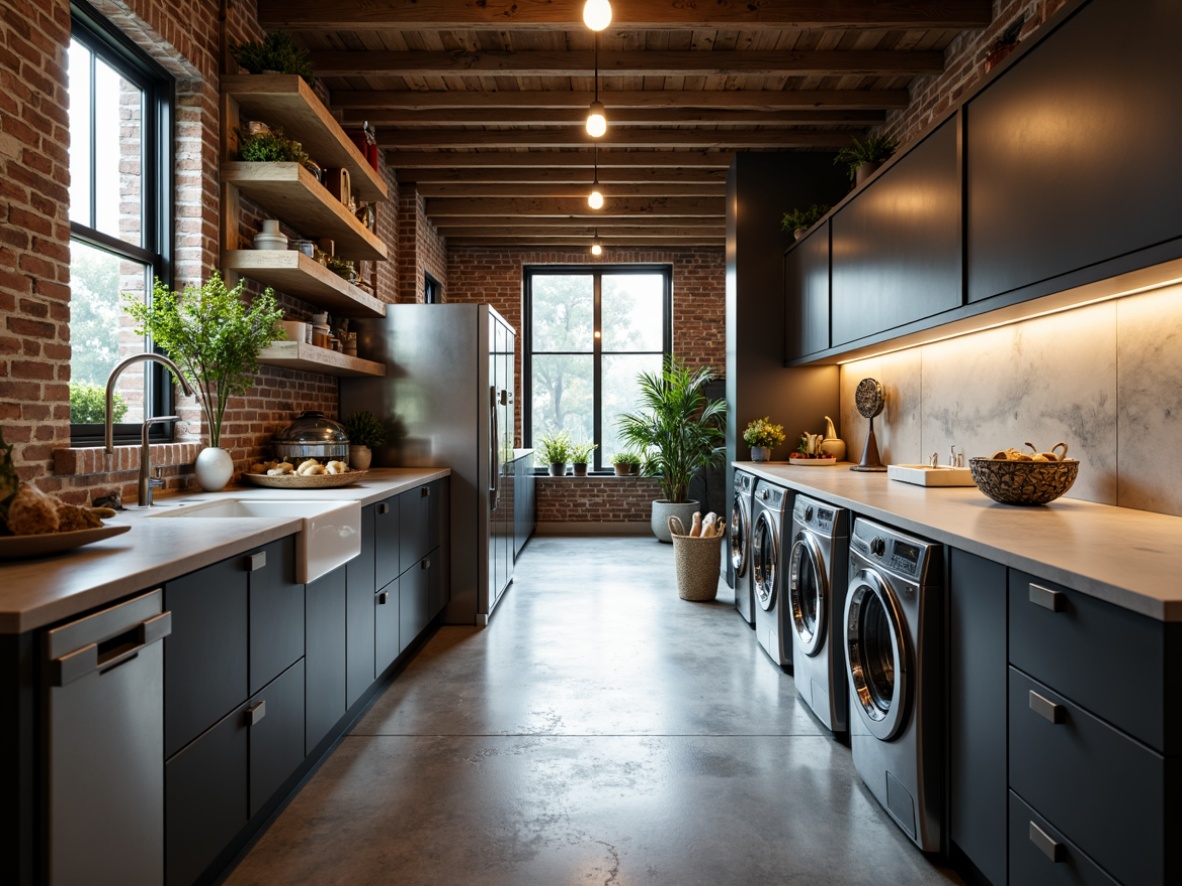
<point x="892" y="628"/>
<point x="448" y="398"/>
<point x="105" y="752"/>
<point x="740" y="545"/>
<point x="817" y="575"/>
<point x="311" y="435"/>
<point x="771" y="514"/>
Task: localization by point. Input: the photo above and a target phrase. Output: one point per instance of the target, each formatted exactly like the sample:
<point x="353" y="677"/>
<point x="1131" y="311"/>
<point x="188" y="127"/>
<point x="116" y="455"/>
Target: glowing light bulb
<point x="596" y="119"/>
<point x="597" y="14"/>
<point x="595" y="199"/>
<point x="596" y="249"/>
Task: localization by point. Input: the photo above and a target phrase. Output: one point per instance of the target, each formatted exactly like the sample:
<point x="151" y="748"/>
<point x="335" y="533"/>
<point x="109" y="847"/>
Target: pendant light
<point x="595" y="198"/>
<point x="596" y="246"/>
<point x="596" y="114"/>
<point x="597" y="14"/>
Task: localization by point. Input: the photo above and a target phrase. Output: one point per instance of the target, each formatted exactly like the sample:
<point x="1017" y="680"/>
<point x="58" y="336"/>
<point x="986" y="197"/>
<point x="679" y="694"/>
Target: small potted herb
<point x="580" y="455"/>
<point x="555" y="450"/>
<point x="277" y="54"/>
<point x="366" y="433"/>
<point x="763" y="436"/>
<point x="864" y="158"/>
<point x="269" y="146"/>
<point x="798" y="221"/>
<point x="627" y="464"/>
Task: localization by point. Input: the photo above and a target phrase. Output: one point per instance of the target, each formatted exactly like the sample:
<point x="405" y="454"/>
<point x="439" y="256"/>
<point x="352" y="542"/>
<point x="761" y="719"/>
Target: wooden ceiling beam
<point x="661" y="63"/>
<point x="737" y="99"/>
<point x="576" y="207"/>
<point x="534" y="243"/>
<point x="450" y="226"/>
<point x="619" y="137"/>
<point x="571" y="188"/>
<point x="744" y="15"/>
<point x="542" y="176"/>
<point x="695" y="159"/>
<point x="616" y="117"/>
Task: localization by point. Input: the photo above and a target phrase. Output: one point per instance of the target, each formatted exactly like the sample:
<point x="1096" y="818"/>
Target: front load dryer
<point x="817" y="579"/>
<point x="772" y="513"/>
<point x="892" y="628"/>
<point x="740" y="544"/>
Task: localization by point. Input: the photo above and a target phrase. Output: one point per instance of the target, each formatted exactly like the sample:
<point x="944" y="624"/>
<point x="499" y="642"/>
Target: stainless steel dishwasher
<point x="105" y="759"/>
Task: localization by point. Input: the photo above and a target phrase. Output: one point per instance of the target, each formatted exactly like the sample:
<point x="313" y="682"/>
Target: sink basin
<point x="926" y="475"/>
<point x="330" y="534"/>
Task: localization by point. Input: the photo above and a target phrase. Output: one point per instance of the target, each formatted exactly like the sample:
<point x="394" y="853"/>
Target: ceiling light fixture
<point x="596" y="114"/>
<point x="596" y="246"/>
<point x="595" y="198"/>
<point x="597" y="14"/>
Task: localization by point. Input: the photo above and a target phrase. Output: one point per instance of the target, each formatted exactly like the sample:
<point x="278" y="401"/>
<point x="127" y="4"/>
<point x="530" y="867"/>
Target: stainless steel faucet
<point x="146" y="482"/>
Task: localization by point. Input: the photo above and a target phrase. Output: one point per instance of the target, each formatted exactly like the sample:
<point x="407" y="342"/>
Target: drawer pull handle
<point x="255" y="562"/>
<point x="1047" y="845"/>
<point x="383" y="509"/>
<point x="383" y="598"/>
<point x="426" y="564"/>
<point x="1046" y="598"/>
<point x="256" y="712"/>
<point x="426" y="491"/>
<point x="1045" y="708"/>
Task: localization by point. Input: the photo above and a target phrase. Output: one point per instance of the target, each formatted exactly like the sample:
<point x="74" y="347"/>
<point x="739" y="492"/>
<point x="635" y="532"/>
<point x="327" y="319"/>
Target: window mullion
<point x="597" y="370"/>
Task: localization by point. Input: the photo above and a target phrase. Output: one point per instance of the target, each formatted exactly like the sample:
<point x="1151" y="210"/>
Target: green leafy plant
<point x="876" y="149"/>
<point x="341" y="267"/>
<point x="269" y="146"/>
<point x="212" y="335"/>
<point x="761" y="432"/>
<point x="364" y="429"/>
<point x="556" y="448"/>
<point x="678" y="428"/>
<point x="88" y="404"/>
<point x="803" y="218"/>
<point x="277" y="52"/>
<point x="625" y="458"/>
<point x="580" y="453"/>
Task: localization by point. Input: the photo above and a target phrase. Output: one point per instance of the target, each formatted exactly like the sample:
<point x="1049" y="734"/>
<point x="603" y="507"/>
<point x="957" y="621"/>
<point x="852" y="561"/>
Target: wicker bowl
<point x="1023" y="482"/>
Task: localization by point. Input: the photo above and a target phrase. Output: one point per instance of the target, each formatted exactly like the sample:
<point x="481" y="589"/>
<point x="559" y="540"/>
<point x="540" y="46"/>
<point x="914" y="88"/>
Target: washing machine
<point x="817" y="578"/>
<point x="892" y="630"/>
<point x="772" y="513"/>
<point x="740" y="544"/>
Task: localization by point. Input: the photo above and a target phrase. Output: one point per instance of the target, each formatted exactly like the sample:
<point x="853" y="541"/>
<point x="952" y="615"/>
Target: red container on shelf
<point x="366" y="141"/>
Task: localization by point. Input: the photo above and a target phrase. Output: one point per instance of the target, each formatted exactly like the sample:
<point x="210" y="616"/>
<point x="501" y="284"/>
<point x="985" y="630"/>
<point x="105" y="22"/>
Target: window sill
<point x="88" y="460"/>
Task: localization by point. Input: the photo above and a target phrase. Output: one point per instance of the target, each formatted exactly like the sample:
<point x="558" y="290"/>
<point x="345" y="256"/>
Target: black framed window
<point x="120" y="222"/>
<point x="432" y="290"/>
<point x="589" y="331"/>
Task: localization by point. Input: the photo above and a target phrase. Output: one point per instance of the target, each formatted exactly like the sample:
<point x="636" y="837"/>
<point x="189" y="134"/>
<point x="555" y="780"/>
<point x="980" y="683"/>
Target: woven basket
<point x="1023" y="482"/>
<point x="696" y="561"/>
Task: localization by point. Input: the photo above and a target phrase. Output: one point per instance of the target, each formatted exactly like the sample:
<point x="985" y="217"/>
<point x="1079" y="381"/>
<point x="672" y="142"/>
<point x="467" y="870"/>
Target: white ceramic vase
<point x="360" y="457"/>
<point x="270" y="237"/>
<point x="214" y="468"/>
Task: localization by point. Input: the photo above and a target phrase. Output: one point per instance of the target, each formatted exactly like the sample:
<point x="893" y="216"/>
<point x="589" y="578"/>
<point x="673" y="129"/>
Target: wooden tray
<point x="312" y="481"/>
<point x="19" y="547"/>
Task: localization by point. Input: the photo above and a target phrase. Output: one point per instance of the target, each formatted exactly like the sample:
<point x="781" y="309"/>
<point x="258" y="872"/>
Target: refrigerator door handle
<point x="494" y="490"/>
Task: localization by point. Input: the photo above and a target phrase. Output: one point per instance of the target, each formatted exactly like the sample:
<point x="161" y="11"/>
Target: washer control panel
<point x="826" y="520"/>
<point x="901" y="554"/>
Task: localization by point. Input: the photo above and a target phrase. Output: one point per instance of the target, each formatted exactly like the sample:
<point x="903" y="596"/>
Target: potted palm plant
<point x="215" y="337"/>
<point x="680" y="431"/>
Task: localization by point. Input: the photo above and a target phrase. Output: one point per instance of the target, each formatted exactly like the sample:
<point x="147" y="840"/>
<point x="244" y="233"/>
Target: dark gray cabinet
<point x="275" y="722"/>
<point x="386" y="541"/>
<point x="325" y="655"/>
<point x="806" y="294"/>
<point x="276" y="612"/>
<point x="525" y="502"/>
<point x="359" y="614"/>
<point x="1041" y="856"/>
<point x="896" y="247"/>
<point x="414" y="614"/>
<point x="414" y="516"/>
<point x="977" y="711"/>
<point x="1081" y="130"/>
<point x="386" y="627"/>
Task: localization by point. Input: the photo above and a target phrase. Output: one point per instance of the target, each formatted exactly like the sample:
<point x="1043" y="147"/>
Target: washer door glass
<point x="807" y="587"/>
<point x="876" y="655"/>
<point x="763" y="561"/>
<point x="740" y="535"/>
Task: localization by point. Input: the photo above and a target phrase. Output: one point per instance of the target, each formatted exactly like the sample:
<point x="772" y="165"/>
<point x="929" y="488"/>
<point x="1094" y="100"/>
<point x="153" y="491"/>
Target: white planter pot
<point x="214" y="469"/>
<point x="663" y="510"/>
<point x="360" y="457"/>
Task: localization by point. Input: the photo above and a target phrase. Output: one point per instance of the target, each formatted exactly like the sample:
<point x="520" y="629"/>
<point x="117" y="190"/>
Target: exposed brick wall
<point x="425" y="250"/>
<point x="595" y="499"/>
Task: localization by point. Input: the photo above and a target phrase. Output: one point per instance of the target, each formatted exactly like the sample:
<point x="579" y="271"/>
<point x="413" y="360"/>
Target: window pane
<point x="633" y="312"/>
<point x="620" y="392"/>
<point x="562" y="396"/>
<point x="118" y="161"/>
<point x="101" y="334"/>
<point x="80" y="159"/>
<point x="563" y="313"/>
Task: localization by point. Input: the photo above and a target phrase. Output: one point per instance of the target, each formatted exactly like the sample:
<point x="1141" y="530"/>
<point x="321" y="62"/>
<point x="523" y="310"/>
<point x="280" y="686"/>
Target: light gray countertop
<point x="39" y="592"/>
<point x="1130" y="558"/>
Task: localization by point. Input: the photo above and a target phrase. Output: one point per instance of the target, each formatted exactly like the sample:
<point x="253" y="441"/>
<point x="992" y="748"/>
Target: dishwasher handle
<point x="111" y="652"/>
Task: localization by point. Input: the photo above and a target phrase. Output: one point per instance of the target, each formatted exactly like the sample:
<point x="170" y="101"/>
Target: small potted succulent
<point x="798" y="221"/>
<point x="627" y="464"/>
<point x="763" y="436"/>
<point x="366" y="433"/>
<point x="864" y="158"/>
<point x="580" y="456"/>
<point x="555" y="450"/>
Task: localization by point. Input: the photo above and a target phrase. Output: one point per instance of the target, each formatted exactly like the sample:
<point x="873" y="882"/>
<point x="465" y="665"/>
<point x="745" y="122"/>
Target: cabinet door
<point x="896" y="246"/>
<point x="324" y="659"/>
<point x="977" y="711"/>
<point x="1080" y="132"/>
<point x="205" y="798"/>
<point x="276" y="612"/>
<point x="524" y="519"/>
<point x="436" y="599"/>
<point x="414" y="515"/>
<point x="386" y="649"/>
<point x="275" y="717"/>
<point x="205" y="657"/>
<point x="806" y="291"/>
<point x="413" y="590"/>
<point x="359" y="614"/>
<point x="386" y="541"/>
<point x="1041" y="856"/>
<point x="438" y="512"/>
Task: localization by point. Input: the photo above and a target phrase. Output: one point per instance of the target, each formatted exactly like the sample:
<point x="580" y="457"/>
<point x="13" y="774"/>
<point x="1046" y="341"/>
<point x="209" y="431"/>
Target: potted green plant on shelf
<point x="626" y="464"/>
<point x="864" y="157"/>
<point x="680" y="431"/>
<point x="278" y="53"/>
<point x="580" y="455"/>
<point x="798" y="221"/>
<point x="366" y="433"/>
<point x="265" y="145"/>
<point x="555" y="450"/>
<point x="215" y="337"/>
<point x="763" y="436"/>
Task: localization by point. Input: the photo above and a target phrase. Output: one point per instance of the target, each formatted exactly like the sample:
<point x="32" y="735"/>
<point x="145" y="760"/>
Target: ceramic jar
<point x="214" y="468"/>
<point x="270" y="237"/>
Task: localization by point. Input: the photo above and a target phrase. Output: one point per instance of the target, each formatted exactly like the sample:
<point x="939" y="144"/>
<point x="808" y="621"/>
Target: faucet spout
<point x="108" y="424"/>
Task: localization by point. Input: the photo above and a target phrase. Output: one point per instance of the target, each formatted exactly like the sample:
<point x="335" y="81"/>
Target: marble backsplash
<point x="1106" y="379"/>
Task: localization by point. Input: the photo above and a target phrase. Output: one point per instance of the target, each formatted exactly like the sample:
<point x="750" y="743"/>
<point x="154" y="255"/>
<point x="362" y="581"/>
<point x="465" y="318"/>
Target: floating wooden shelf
<point x="291" y="193"/>
<point x="309" y="358"/>
<point x="293" y="272"/>
<point x="286" y="100"/>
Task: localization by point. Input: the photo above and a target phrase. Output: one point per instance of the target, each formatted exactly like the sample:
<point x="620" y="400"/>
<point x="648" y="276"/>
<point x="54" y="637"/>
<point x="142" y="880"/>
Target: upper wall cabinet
<point x="806" y="290"/>
<point x="896" y="253"/>
<point x="1071" y="154"/>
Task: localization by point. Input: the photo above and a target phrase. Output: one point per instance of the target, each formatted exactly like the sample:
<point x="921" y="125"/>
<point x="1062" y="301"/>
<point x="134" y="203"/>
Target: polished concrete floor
<point x="598" y="731"/>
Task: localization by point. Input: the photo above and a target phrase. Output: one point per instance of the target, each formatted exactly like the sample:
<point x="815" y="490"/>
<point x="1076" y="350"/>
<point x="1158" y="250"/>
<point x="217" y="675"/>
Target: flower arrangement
<point x="761" y="432"/>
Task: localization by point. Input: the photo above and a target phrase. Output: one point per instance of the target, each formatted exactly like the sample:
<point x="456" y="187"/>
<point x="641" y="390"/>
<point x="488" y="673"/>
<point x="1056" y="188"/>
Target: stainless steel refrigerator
<point x="448" y="399"/>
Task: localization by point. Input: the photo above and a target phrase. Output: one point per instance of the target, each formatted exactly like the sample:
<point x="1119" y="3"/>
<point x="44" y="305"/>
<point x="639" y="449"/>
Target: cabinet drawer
<point x="415" y="519"/>
<point x="385" y="538"/>
<point x="1109" y="660"/>
<point x="276" y="612"/>
<point x="1103" y="790"/>
<point x="275" y="718"/>
<point x="1041" y="856"/>
<point x="385" y="627"/>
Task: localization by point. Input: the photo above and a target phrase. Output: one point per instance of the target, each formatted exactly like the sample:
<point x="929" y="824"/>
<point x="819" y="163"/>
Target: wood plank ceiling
<point x="481" y="104"/>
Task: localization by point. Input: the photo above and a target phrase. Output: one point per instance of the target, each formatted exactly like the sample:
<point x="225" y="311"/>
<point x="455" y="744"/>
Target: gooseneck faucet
<point x="145" y="480"/>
